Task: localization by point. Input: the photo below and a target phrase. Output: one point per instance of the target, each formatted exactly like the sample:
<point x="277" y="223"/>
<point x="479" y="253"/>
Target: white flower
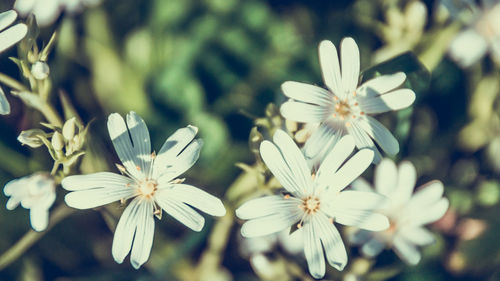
<point x="313" y="202"/>
<point x="150" y="182"/>
<point x="406" y="213"/>
<point x="47" y="11"/>
<point x="36" y="193"/>
<point x="9" y="37"/>
<point x="40" y="70"/>
<point x="482" y="36"/>
<point x="13" y="34"/>
<point x="344" y="108"/>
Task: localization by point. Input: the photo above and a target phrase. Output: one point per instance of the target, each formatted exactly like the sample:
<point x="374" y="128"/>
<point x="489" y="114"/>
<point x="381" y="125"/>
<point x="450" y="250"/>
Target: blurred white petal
<point x="386" y="177"/>
<point x="12" y="35"/>
<point x="372" y="248"/>
<point x="468" y="47"/>
<point x="380" y="134"/>
<point x="406" y="251"/>
<point x="330" y="67"/>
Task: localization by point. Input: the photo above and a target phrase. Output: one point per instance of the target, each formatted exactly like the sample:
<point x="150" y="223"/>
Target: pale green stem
<point x="32" y="236"/>
<point x="51" y="115"/>
<point x="12" y="83"/>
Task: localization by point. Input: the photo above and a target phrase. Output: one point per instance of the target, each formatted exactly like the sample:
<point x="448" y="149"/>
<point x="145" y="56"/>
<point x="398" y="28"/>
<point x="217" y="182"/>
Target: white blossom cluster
<point x="317" y="195"/>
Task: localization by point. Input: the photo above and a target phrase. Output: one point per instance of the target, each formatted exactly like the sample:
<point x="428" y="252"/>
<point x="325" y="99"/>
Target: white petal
<point x="140" y="139"/>
<point x="124" y="233"/>
<point x="361" y="184"/>
<point x="407" y="177"/>
<point x="270" y="224"/>
<point x="360" y="236"/>
<point x="6" y="18"/>
<point x="39" y="218"/>
<point x="144" y="233"/>
<point x="119" y="135"/>
<point x="351" y="170"/>
<point x="427" y="194"/>
<point x="294" y="159"/>
<point x="468" y="47"/>
<point x="264" y="206"/>
<point x="364" y="219"/>
<point x="321" y="140"/>
<point x="406" y="251"/>
<point x="391" y="101"/>
<point x="349" y="56"/>
<point x="304" y="112"/>
<point x="168" y="169"/>
<point x="417" y="235"/>
<point x="12" y="35"/>
<point x="363" y="140"/>
<point x="91" y="198"/>
<point x="172" y="147"/>
<point x="307" y="93"/>
<point x="339" y="153"/>
<point x="372" y="248"/>
<point x="96" y="180"/>
<point x="24" y="7"/>
<point x="380" y="134"/>
<point x="180" y="211"/>
<point x="330" y="67"/>
<point x="314" y="252"/>
<point x="12" y="203"/>
<point x="386" y="177"/>
<point x="198" y="198"/>
<point x="352" y="199"/>
<point x="336" y="254"/>
<point x="431" y="213"/>
<point x="4" y="103"/>
<point x="381" y="84"/>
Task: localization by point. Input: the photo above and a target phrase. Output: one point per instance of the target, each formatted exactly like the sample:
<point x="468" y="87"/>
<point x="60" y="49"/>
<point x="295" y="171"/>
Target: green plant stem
<point x="12" y="83"/>
<point x="51" y="115"/>
<point x="32" y="236"/>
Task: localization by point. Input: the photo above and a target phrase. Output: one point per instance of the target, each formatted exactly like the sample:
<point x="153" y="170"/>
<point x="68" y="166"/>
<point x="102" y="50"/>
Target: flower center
<point x="147" y="188"/>
<point x="346" y="109"/>
<point x="310" y="205"/>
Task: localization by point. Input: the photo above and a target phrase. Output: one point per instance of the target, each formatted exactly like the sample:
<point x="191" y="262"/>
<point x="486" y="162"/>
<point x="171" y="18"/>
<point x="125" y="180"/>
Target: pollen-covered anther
<point x="299" y="225"/>
<point x="347" y="124"/>
<point x="331" y="220"/>
<point x="138" y="168"/>
<point x="287" y="196"/>
<point x="310" y="205"/>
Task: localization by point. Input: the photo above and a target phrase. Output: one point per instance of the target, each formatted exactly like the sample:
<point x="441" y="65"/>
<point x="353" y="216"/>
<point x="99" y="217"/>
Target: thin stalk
<point x="12" y="83"/>
<point x="32" y="236"/>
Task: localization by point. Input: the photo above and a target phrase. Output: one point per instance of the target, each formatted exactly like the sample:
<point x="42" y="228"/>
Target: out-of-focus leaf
<point x="418" y="77"/>
<point x="488" y="193"/>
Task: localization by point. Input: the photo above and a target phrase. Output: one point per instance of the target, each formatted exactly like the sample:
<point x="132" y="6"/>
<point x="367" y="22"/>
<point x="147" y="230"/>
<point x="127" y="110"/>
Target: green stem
<point x="32" y="236"/>
<point x="51" y="115"/>
<point x="12" y="83"/>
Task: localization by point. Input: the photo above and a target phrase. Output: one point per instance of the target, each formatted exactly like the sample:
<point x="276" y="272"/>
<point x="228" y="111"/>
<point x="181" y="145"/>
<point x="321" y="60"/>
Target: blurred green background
<point x="216" y="64"/>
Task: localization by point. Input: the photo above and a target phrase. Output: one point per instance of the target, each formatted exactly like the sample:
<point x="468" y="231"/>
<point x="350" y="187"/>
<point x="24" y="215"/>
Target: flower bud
<point x="40" y="70"/>
<point x="57" y="141"/>
<point x="69" y="129"/>
<point x="31" y="138"/>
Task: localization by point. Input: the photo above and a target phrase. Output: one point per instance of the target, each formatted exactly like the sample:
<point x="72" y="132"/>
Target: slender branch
<point x="12" y="83"/>
<point x="51" y="115"/>
<point x="32" y="236"/>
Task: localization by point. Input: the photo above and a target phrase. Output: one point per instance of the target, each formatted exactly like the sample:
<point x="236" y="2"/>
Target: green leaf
<point x="418" y="77"/>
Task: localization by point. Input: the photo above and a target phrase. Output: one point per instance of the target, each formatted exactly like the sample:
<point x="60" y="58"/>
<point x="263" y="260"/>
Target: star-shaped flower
<point x="151" y="182"/>
<point x="407" y="213"/>
<point x="344" y="108"/>
<point x="34" y="192"/>
<point x="314" y="202"/>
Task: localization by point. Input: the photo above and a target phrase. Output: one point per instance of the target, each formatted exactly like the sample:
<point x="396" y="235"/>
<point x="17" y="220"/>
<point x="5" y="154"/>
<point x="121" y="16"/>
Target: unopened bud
<point x="31" y="138"/>
<point x="57" y="141"/>
<point x="69" y="129"/>
<point x="40" y="70"/>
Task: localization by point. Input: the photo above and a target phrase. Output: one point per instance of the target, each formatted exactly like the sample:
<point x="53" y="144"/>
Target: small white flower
<point x="344" y="108"/>
<point x="482" y="36"/>
<point x="406" y="213"/>
<point x="151" y="182"/>
<point x="40" y="70"/>
<point x="36" y="193"/>
<point x="314" y="202"/>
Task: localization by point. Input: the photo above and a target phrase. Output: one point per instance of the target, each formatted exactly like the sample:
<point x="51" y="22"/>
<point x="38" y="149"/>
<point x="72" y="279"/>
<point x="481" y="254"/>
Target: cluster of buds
<point x="65" y="144"/>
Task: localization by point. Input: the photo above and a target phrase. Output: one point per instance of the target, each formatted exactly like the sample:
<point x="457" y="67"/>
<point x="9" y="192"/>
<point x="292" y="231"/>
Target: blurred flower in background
<point x="407" y="213"/>
<point x="34" y="192"/>
<point x="47" y="11"/>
